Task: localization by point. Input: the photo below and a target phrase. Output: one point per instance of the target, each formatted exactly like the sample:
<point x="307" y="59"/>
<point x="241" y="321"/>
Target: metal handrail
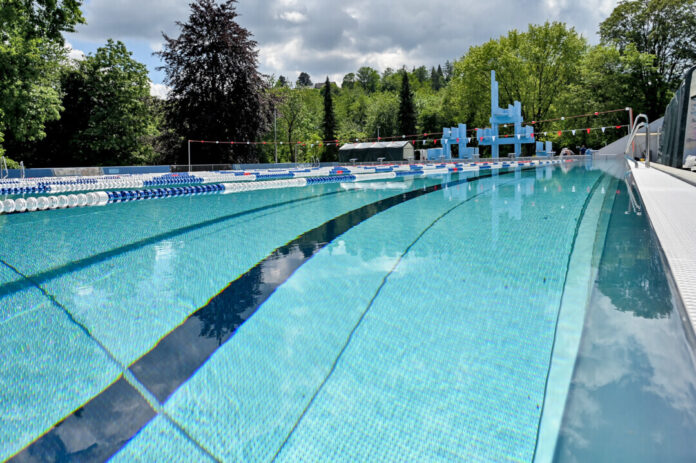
<point x="636" y="128"/>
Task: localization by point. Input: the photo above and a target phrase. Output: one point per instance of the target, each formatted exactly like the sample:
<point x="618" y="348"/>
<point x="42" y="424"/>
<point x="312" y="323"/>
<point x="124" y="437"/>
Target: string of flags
<point x="425" y="137"/>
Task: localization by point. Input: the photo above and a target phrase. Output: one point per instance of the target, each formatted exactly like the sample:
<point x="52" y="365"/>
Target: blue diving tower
<point x="512" y="115"/>
<point x="490" y="136"/>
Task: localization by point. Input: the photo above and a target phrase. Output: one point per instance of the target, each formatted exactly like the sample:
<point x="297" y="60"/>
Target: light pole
<point x="377" y="133"/>
<point x="275" y="135"/>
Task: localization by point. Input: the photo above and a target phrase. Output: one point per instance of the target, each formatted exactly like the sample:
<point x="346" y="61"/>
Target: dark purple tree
<point x="217" y="92"/>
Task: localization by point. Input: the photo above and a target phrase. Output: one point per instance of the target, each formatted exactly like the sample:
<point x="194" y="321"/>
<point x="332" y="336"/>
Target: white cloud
<point x="336" y="37"/>
<point x="293" y="17"/>
<point x="73" y="54"/>
<point x="159" y="90"/>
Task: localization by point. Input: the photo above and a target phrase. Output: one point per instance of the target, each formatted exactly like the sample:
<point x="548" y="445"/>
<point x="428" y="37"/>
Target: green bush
<point x="11" y="164"/>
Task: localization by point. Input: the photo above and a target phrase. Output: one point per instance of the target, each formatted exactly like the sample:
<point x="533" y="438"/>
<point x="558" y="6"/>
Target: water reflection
<point x="633" y="393"/>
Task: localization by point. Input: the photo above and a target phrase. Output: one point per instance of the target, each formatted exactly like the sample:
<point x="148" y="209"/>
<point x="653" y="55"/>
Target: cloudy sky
<point x="334" y="37"/>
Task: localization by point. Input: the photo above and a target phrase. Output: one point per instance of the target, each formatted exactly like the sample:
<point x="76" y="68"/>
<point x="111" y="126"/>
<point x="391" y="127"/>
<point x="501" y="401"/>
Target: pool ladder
<point x="638" y="124"/>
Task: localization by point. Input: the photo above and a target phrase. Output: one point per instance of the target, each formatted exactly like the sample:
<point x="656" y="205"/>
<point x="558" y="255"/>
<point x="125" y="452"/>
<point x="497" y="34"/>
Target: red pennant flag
<point x="481" y="138"/>
<point x="559" y="133"/>
<point x="435" y="141"/>
<point x="533" y="122"/>
<point x="588" y="130"/>
<point x="532" y="135"/>
<point x="596" y="114"/>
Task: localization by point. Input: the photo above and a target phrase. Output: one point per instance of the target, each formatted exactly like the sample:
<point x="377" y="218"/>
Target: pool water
<point x="406" y="320"/>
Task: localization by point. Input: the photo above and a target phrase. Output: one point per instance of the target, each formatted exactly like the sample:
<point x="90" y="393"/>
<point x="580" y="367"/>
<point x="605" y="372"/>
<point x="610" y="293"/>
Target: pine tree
<point x="217" y="92"/>
<point x="407" y="109"/>
<point x="329" y="125"/>
<point x="449" y="69"/>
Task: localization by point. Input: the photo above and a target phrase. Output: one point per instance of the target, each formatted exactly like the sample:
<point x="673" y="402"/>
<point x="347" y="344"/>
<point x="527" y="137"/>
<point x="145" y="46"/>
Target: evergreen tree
<point x="329" y="125"/>
<point x="407" y="109"/>
<point x="437" y="81"/>
<point x="217" y="92"/>
<point x="447" y="72"/>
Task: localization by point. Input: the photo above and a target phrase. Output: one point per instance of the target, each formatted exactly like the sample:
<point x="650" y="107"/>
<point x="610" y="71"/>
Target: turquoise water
<point x="633" y="392"/>
<point x="410" y="320"/>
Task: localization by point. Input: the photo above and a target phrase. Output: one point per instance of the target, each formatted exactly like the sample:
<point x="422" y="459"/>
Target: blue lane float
<point x="132" y="189"/>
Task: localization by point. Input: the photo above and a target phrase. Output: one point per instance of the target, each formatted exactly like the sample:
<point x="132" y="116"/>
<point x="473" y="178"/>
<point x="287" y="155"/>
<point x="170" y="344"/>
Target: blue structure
<point x="456" y="135"/>
<point x="511" y="115"/>
<point x="544" y="151"/>
<point x="438" y="154"/>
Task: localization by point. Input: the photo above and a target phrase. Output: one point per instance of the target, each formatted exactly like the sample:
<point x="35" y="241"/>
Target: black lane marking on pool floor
<point x="178" y="355"/>
<point x="48" y="275"/>
<point x="95" y="431"/>
<point x="560" y="304"/>
<point x="120" y="412"/>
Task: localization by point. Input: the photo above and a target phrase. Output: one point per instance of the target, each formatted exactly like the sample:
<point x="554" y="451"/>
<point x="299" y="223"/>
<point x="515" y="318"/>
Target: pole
<point x="189" y="155"/>
<point x="275" y="136"/>
<point x="377" y="133"/>
<point x="630" y="127"/>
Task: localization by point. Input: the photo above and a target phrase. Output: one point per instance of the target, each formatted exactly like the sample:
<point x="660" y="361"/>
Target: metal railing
<point x="630" y="145"/>
<point x="4" y="171"/>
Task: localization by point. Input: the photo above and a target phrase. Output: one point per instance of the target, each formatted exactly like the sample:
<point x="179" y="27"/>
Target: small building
<point x="372" y="151"/>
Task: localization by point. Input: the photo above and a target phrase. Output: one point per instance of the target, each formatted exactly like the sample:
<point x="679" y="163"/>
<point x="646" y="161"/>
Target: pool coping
<point x="666" y="200"/>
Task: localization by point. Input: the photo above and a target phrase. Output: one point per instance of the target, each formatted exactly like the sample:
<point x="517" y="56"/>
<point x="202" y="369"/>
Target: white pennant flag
<point x="493" y="137"/>
<point x="519" y="136"/>
<point x="603" y="129"/>
<point x="468" y="140"/>
<point x="544" y="133"/>
<point x="573" y="132"/>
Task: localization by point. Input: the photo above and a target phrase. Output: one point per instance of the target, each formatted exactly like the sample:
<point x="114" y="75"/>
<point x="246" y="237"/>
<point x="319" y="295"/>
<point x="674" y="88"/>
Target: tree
<point x="329" y="124"/>
<point x="281" y="82"/>
<point x="448" y="70"/>
<point x="665" y="29"/>
<point x="31" y="56"/>
<point x="107" y="117"/>
<point x="216" y="89"/>
<point x="536" y="67"/>
<point x="368" y="79"/>
<point x="407" y="110"/>
<point x="437" y="79"/>
<point x="299" y="117"/>
<point x="382" y="112"/>
<point x="420" y="74"/>
<point x="348" y="81"/>
<point x="303" y="80"/>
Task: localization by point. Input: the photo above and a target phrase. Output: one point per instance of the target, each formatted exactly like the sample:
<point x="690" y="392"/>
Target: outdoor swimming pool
<point x="458" y="317"/>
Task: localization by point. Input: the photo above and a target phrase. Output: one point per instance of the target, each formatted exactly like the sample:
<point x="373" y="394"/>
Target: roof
<point x="376" y="145"/>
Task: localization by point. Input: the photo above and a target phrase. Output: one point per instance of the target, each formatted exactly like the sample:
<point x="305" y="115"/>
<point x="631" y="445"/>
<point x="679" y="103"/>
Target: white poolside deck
<point x="670" y="204"/>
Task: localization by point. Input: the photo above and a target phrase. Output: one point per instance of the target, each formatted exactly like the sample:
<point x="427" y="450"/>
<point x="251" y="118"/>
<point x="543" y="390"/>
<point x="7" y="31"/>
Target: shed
<point x="371" y="152"/>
